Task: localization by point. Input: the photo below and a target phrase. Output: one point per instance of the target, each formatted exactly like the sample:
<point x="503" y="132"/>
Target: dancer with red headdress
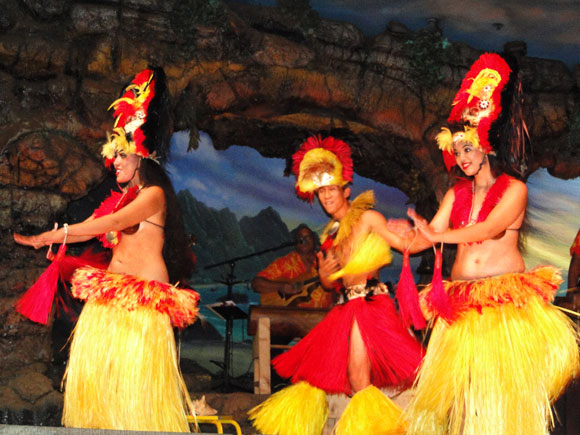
<point x="361" y="345"/>
<point x="499" y="353"/>
<point x="123" y="370"/>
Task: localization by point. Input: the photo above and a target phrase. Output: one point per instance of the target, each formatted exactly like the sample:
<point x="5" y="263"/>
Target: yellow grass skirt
<point x="498" y="366"/>
<point x="123" y="369"/>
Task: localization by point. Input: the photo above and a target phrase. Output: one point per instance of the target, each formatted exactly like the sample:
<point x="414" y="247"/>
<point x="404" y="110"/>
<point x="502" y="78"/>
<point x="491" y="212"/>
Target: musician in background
<point x="574" y="269"/>
<point x="292" y="280"/>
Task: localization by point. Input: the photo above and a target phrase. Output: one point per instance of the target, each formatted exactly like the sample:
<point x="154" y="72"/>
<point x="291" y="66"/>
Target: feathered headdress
<point x="477" y="104"/>
<point x="321" y="162"/>
<point x="445" y="139"/>
<point x="142" y="119"/>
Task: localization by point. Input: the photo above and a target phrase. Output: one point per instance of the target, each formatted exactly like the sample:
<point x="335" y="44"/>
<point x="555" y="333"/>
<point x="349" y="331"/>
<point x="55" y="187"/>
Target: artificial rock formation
<point x="257" y="76"/>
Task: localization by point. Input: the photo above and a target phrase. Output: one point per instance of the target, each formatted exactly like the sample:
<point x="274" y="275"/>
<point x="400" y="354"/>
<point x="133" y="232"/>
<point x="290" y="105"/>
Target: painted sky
<point x="240" y="179"/>
<point x="245" y="182"/>
<point x="551" y="28"/>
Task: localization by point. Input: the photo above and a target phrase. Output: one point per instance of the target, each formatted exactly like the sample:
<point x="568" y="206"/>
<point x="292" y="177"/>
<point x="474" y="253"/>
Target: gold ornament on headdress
<point x="319" y="168"/>
<point x="321" y="162"/>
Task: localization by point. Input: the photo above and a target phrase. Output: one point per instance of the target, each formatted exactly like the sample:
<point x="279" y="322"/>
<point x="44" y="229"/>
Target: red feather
<point x="114" y="202"/>
<point x="486" y="61"/>
<point x="438" y="297"/>
<point x="449" y="159"/>
<point x="463" y="192"/>
<point x="408" y="298"/>
<point x="36" y="303"/>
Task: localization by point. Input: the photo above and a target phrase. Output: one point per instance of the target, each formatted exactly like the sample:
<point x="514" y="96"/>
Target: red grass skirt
<point x="321" y="358"/>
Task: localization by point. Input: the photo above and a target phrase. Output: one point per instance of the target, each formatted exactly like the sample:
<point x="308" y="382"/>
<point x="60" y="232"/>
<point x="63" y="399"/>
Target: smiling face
<point x="126" y="167"/>
<point x="468" y="158"/>
<point x="334" y="200"/>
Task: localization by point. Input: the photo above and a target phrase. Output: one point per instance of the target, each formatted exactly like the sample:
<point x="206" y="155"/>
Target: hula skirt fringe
<point x="321" y="358"/>
<point x="123" y="369"/>
<point x="498" y="366"/>
<point x="371" y="412"/>
<point x="299" y="409"/>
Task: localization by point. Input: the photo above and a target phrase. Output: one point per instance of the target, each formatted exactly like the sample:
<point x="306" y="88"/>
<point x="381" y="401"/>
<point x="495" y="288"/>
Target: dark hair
<point x="508" y="133"/>
<point x="302" y="226"/>
<point x="176" y="248"/>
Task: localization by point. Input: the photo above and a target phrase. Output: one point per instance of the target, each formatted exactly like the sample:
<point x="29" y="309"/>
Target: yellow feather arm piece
<point x="372" y="254"/>
<point x="299" y="409"/>
<point x="358" y="206"/>
<point x="371" y="412"/>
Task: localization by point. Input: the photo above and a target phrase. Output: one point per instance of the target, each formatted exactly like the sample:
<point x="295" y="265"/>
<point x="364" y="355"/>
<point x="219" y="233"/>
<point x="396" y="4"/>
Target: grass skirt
<point x="498" y="366"/>
<point x="318" y="364"/>
<point x="321" y="357"/>
<point x="123" y="370"/>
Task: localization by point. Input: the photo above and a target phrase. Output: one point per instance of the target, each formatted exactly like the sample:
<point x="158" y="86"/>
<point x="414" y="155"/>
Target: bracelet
<point x="65" y="227"/>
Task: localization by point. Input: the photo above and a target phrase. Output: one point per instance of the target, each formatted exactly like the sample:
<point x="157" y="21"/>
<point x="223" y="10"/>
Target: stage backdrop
<point x="237" y="203"/>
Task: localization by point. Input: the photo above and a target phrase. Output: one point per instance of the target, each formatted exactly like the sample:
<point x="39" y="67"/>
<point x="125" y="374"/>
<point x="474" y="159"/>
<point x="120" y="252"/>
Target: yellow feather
<point x="299" y="409"/>
<point x="371" y="412"/>
<point x="372" y="254"/>
<point x="486" y="76"/>
<point x="445" y="140"/>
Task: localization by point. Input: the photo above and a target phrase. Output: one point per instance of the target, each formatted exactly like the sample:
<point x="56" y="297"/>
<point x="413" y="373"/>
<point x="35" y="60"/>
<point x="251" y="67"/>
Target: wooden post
<point x="262" y="375"/>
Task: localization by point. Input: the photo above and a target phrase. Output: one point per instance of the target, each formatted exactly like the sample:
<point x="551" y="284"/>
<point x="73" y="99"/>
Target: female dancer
<point x="123" y="371"/>
<point x="499" y="352"/>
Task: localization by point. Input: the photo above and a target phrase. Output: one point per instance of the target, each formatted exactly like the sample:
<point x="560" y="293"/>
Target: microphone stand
<point x="233" y="312"/>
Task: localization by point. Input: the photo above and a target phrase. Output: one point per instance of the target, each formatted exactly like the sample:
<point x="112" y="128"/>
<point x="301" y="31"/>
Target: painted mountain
<point x="221" y="238"/>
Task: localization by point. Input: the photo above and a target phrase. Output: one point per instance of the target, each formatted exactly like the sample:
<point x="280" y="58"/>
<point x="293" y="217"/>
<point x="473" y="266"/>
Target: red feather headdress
<point x="321" y="162"/>
<point x="478" y="102"/>
<point x="141" y="118"/>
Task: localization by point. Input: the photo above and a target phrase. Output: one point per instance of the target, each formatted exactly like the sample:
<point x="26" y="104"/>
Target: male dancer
<point x="361" y="345"/>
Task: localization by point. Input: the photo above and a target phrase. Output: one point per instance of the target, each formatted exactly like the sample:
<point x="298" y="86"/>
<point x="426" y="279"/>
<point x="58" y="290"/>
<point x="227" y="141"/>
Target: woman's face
<point x="468" y="158"/>
<point x="126" y="167"/>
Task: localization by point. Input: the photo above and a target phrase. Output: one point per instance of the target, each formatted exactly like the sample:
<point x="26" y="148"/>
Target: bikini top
<point x="114" y="202"/>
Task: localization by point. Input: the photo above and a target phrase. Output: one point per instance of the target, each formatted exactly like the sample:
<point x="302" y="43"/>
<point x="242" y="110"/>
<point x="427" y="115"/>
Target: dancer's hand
<point x="422" y="225"/>
<point x="327" y="265"/>
<point x="35" y="241"/>
<point x="399" y="226"/>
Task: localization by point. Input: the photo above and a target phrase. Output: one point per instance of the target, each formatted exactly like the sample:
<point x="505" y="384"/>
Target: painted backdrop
<point x="240" y="188"/>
